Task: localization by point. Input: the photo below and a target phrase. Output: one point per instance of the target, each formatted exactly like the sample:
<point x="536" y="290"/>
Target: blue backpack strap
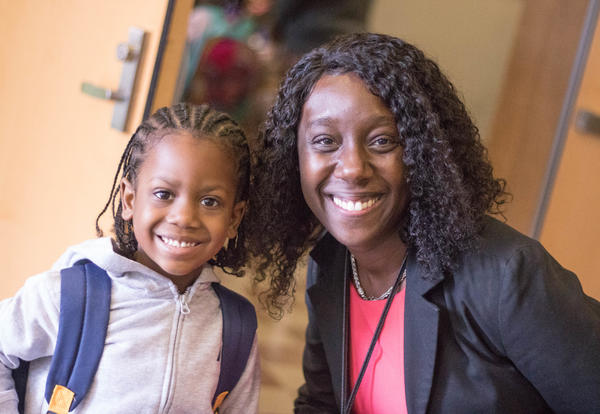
<point x="239" y="329"/>
<point x="84" y="313"/>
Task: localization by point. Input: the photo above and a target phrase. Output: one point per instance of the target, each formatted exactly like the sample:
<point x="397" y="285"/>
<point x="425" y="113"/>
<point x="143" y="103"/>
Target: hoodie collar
<point x="126" y="271"/>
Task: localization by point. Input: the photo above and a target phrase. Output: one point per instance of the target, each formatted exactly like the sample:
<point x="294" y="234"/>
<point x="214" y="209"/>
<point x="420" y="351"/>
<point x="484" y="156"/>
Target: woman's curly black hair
<point x="202" y="122"/>
<point x="447" y="169"/>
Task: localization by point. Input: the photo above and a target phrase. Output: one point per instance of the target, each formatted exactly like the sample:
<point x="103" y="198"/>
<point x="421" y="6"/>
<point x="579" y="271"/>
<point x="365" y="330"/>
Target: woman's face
<point x="351" y="168"/>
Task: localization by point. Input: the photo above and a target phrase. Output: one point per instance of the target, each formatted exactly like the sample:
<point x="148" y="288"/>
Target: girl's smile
<point x="182" y="205"/>
<point x="178" y="243"/>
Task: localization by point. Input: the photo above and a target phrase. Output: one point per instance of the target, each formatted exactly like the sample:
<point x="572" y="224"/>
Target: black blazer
<point x="510" y="331"/>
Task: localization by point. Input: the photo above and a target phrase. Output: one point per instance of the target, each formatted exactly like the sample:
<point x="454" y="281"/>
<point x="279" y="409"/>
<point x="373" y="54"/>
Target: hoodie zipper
<point x="182" y="309"/>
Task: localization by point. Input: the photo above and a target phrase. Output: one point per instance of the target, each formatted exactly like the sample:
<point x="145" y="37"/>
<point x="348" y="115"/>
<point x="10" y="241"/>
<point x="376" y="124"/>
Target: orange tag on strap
<point x="61" y="400"/>
<point x="219" y="401"/>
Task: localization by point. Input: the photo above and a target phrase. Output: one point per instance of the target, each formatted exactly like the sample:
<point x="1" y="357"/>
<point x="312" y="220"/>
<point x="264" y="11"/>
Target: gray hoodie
<point x="161" y="351"/>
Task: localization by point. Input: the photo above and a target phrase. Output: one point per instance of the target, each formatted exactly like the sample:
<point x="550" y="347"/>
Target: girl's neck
<point x="181" y="282"/>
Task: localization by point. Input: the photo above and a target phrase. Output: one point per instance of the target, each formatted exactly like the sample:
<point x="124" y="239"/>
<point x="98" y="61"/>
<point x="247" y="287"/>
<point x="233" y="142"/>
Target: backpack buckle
<point x="219" y="401"/>
<point x="61" y="400"/>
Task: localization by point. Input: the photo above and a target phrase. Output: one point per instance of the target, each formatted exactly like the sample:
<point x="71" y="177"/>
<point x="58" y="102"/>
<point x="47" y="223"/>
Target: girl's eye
<point x="163" y="195"/>
<point x="210" y="202"/>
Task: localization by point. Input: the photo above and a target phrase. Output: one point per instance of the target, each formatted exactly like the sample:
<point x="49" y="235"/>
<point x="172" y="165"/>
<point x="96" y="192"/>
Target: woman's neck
<point x="378" y="267"/>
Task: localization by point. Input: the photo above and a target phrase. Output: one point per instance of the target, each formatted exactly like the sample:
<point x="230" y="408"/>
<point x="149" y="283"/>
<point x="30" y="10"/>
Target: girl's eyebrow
<point x="211" y="188"/>
<point x="173" y="182"/>
<point x="165" y="179"/>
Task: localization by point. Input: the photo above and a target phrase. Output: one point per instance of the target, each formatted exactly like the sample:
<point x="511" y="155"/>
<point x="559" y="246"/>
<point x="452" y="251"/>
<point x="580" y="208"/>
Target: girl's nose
<point x="353" y="164"/>
<point x="184" y="213"/>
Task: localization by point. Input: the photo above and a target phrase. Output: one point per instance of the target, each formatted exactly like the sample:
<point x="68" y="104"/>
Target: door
<point x="529" y="107"/>
<point x="58" y="152"/>
<point x="571" y="228"/>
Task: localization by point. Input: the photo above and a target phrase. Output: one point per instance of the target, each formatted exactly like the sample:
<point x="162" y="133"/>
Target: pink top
<point x="382" y="386"/>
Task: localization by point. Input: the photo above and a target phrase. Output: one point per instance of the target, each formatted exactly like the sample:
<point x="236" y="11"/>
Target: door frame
<point x="169" y="56"/>
<point x="562" y="130"/>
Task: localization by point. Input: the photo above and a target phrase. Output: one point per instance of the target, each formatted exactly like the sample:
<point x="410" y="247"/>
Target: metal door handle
<point x="99" y="92"/>
<point x="587" y="122"/>
<point x="129" y="53"/>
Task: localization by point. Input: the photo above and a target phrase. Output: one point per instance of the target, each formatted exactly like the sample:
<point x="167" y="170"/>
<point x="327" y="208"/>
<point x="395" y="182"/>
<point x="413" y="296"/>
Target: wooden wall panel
<point x="536" y="82"/>
<point x="571" y="229"/>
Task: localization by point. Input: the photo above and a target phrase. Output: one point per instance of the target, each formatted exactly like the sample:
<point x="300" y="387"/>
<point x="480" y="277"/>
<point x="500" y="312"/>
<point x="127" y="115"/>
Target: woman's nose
<point x="353" y="164"/>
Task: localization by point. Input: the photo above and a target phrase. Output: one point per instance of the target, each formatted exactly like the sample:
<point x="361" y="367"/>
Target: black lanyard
<point x="388" y="303"/>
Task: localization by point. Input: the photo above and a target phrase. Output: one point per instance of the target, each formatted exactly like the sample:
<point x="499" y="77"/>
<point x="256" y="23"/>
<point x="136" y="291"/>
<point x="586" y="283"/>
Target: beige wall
<point x="58" y="153"/>
<point x="470" y="39"/>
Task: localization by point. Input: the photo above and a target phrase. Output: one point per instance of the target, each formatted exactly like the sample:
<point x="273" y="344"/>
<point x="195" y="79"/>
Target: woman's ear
<point x="127" y="199"/>
<point x="236" y="218"/>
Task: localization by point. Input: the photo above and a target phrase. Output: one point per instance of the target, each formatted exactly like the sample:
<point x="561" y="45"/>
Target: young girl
<point x="418" y="300"/>
<point x="180" y="199"/>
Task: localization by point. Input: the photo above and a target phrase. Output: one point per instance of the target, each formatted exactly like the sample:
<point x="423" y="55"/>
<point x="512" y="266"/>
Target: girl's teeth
<point x="177" y="243"/>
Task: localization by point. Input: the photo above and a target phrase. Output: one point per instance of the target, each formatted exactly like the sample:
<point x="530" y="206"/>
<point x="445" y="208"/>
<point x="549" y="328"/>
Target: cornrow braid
<point x="202" y="122"/>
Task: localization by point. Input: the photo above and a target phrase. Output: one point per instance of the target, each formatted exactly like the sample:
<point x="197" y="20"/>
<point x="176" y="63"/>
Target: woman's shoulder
<point x="500" y="234"/>
<point x="497" y="242"/>
<point x="503" y="258"/>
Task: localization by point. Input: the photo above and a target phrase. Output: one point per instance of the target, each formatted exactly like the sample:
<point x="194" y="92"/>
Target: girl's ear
<point x="236" y="218"/>
<point x="127" y="199"/>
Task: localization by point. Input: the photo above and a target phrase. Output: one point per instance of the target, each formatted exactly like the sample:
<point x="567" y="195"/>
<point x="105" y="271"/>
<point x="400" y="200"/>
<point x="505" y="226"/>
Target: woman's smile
<point x="355" y="206"/>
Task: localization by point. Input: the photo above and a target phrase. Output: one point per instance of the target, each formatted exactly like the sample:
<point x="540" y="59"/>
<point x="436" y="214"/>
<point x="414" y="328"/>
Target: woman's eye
<point x="384" y="142"/>
<point x="162" y="194"/>
<point x="210" y="202"/>
<point x="324" y="141"/>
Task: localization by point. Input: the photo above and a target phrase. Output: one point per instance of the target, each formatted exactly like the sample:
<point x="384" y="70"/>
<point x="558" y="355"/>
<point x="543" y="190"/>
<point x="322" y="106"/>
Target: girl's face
<point x="351" y="168"/>
<point x="182" y="205"/>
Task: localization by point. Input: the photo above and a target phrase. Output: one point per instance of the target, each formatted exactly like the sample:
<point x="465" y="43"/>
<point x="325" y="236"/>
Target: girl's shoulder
<point x="40" y="293"/>
<point x="95" y="250"/>
<point x="43" y="288"/>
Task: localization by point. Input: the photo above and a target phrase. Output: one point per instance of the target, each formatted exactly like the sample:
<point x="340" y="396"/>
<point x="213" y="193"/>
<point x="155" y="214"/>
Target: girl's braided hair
<point x="202" y="122"/>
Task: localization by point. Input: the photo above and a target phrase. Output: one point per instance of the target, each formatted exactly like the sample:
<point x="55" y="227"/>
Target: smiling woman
<point x="418" y="300"/>
<point x="351" y="170"/>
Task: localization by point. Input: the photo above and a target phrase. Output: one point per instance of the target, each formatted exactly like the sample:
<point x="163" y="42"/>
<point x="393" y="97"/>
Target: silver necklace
<point x="361" y="291"/>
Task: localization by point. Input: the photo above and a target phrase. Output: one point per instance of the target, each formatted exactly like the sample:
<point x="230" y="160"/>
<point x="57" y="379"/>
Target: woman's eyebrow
<point x="322" y="121"/>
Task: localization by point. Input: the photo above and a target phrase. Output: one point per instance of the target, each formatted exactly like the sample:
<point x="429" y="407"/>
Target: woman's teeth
<point x="350" y="205"/>
<point x="177" y="243"/>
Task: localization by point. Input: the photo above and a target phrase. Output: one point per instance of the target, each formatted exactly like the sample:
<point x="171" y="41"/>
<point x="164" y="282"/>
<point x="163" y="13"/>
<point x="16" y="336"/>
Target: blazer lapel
<point x="328" y="297"/>
<point x="421" y="319"/>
